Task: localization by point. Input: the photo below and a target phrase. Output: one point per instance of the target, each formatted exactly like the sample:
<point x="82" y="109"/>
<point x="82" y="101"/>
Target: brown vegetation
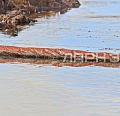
<point x="16" y="12"/>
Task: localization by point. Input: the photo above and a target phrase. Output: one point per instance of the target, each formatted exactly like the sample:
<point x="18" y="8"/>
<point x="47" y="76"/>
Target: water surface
<point x="45" y="90"/>
<point x="94" y="26"/>
<point x="59" y="91"/>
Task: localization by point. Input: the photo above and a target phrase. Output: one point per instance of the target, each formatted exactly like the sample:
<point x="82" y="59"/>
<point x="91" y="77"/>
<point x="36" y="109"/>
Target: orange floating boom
<point x="59" y="54"/>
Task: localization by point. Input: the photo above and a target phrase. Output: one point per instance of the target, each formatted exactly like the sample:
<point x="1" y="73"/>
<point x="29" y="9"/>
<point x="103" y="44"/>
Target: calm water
<point x="38" y="90"/>
<point x="94" y="26"/>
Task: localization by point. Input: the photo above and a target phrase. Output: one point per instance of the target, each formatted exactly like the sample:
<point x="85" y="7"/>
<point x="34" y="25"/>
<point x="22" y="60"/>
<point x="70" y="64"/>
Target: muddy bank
<point x="18" y="12"/>
<point x="9" y="22"/>
<point x="29" y="6"/>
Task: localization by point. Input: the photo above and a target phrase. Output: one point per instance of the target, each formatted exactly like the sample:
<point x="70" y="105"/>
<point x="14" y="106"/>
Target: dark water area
<point x="34" y="88"/>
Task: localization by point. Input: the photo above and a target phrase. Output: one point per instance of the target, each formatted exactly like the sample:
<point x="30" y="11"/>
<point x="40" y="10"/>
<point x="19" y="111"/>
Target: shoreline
<point x="14" y="13"/>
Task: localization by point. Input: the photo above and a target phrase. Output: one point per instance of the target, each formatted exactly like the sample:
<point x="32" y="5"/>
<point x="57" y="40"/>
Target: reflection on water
<point x="41" y="88"/>
<point x="59" y="63"/>
<point x="59" y="91"/>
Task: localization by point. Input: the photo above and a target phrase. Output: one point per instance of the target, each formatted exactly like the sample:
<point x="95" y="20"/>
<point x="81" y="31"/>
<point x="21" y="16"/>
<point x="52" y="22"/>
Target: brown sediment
<point x="57" y="54"/>
<point x="17" y="12"/>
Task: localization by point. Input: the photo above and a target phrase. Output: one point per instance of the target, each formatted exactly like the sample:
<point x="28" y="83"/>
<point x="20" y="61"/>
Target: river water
<point x="31" y="89"/>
